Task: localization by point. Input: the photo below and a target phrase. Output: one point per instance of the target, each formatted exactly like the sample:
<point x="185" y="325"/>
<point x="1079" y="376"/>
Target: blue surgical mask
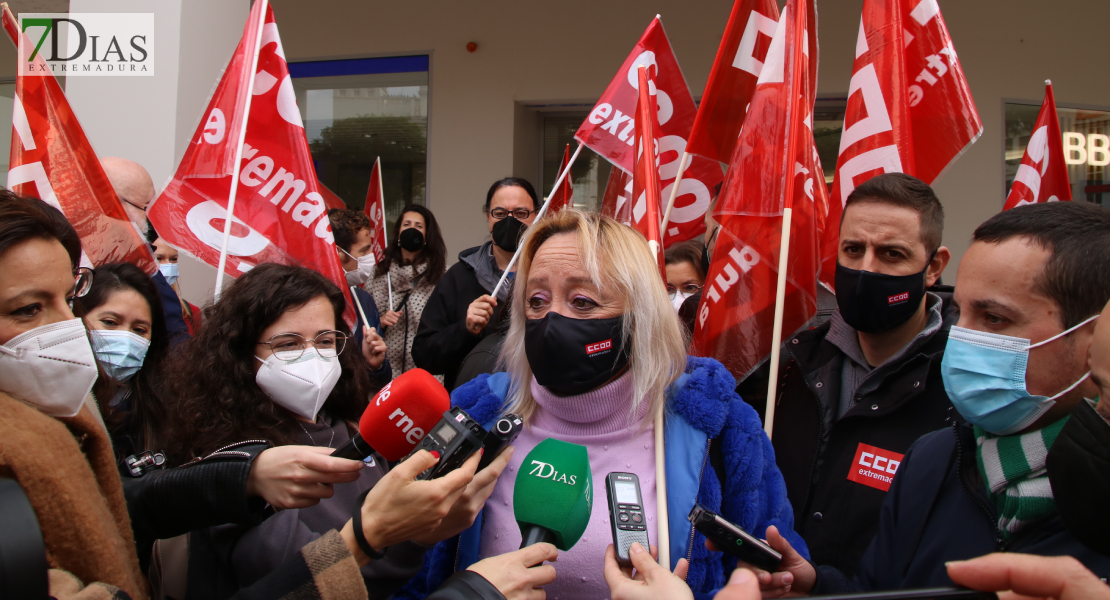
<point x="169" y="271"/>
<point x="984" y="375"/>
<point x="121" y="353"/>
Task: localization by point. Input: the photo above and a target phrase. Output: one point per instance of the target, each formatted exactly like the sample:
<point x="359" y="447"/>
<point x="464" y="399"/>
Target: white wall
<point x="560" y="52"/>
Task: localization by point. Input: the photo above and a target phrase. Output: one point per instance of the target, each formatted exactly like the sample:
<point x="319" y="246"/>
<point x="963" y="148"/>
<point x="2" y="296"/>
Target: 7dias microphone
<point x="553" y="496"/>
<point x="398" y="417"/>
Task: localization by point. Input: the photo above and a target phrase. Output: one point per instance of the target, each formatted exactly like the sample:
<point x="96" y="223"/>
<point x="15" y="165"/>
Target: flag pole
<point x="385" y="234"/>
<point x="685" y="162"/>
<point x="543" y="211"/>
<point x="354" y="298"/>
<point x="239" y="151"/>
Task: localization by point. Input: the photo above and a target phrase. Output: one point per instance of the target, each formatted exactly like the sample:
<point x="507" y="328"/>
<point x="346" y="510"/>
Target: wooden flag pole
<point x="385" y="234"/>
<point x="543" y="211"/>
<point x="662" y="520"/>
<point x="354" y="298"/>
<point x="239" y="152"/>
<point x="685" y="162"/>
<point x="776" y="335"/>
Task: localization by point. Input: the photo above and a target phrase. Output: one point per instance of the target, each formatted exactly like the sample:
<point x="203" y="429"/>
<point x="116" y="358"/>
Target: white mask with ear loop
<point x="363" y="272"/>
<point x="300" y="386"/>
<point x="51" y="367"/>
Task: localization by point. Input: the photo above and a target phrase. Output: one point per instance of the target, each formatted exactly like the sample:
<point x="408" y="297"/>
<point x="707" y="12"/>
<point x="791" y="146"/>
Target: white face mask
<point x="363" y="272"/>
<point x="678" y="299"/>
<point x="169" y="271"/>
<point x="51" y="367"/>
<point x="300" y="386"/>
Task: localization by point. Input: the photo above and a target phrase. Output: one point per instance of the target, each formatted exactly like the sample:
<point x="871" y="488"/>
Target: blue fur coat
<point x="714" y="440"/>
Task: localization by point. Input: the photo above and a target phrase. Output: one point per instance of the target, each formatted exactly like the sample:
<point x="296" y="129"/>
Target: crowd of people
<point x="928" y="435"/>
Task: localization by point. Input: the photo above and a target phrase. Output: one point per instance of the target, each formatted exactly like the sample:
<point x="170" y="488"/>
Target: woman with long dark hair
<point x="414" y="262"/>
<point x="274" y="361"/>
<point x="123" y="313"/>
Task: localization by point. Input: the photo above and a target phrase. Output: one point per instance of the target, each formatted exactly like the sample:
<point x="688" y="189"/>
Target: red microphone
<point x="398" y="417"/>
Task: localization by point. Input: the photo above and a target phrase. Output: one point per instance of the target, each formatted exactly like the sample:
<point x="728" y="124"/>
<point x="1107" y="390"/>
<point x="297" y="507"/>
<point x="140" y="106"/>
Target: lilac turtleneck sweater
<point x="601" y="421"/>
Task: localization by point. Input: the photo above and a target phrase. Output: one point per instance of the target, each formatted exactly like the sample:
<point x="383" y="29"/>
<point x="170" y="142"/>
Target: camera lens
<point x="504" y="426"/>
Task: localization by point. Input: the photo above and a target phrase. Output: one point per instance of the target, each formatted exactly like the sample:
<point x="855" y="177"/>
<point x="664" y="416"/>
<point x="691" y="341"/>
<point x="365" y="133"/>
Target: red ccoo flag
<point x="1042" y="175"/>
<point x="609" y="130"/>
<point x="561" y="196"/>
<point x="375" y="209"/>
<point x="909" y="106"/>
<point x="774" y="168"/>
<point x="51" y="159"/>
<point x="646" y="206"/>
<point x="280" y="215"/>
<point x="614" y="202"/>
<point x="751" y="24"/>
<point x="330" y="198"/>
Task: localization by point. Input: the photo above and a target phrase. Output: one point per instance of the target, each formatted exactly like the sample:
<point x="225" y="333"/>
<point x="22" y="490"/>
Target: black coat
<point x="835" y="515"/>
<point x="938" y="511"/>
<point x="442" y="341"/>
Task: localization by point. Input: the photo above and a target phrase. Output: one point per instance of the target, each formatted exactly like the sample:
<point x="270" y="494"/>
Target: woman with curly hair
<point x="274" y="361"/>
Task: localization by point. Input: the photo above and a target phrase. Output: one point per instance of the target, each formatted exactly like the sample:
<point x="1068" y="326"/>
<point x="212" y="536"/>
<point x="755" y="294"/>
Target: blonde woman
<point x="583" y="280"/>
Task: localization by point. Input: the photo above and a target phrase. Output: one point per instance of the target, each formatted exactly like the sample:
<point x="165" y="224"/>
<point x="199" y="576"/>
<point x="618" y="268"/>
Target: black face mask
<point x="411" y="239"/>
<point x="874" y="302"/>
<point x="507" y="233"/>
<point x="574" y="356"/>
<point x="1078" y="462"/>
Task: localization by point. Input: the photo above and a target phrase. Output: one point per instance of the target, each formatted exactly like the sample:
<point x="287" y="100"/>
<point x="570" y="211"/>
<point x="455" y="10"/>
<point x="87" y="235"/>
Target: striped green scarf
<point x="1013" y="468"/>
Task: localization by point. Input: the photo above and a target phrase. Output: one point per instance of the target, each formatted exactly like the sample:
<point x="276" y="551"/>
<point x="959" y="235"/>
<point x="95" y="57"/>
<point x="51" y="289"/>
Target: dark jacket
<point x="442" y="341"/>
<point x="938" y="511"/>
<point x="171" y="310"/>
<point x="836" y="515"/>
<point x="384" y="374"/>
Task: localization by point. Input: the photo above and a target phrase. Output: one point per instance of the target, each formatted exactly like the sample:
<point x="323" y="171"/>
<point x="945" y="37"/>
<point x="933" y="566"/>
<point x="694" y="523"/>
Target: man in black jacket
<point x="1029" y="289"/>
<point x="461" y="311"/>
<point x="858" y="390"/>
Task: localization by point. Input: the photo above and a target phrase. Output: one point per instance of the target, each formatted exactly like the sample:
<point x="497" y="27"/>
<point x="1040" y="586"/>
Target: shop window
<point x="355" y="111"/>
<point x="1086" y="138"/>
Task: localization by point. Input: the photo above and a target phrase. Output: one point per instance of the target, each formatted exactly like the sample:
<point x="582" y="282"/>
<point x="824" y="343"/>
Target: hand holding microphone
<point x="298" y="476"/>
<point x="470" y="502"/>
<point x="517" y="574"/>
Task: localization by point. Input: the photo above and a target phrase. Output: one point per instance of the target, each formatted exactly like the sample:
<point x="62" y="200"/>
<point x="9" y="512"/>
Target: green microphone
<point x="553" y="496"/>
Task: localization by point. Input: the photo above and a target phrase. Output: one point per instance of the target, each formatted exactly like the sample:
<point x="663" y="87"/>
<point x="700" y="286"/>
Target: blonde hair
<point x="617" y="258"/>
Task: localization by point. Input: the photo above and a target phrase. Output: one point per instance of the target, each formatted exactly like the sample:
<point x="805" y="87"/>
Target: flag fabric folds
<point x="51" y="159"/>
<point x="562" y="196"/>
<point x="909" y="110"/>
<point x="646" y="213"/>
<point x="614" y="201"/>
<point x="724" y="104"/>
<point x="1042" y="175"/>
<point x="774" y="167"/>
<point x="280" y="215"/>
<point x="375" y="209"/>
<point x="609" y="130"/>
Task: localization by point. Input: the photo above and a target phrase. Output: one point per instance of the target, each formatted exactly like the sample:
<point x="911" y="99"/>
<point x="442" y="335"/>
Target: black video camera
<point x="457" y="437"/>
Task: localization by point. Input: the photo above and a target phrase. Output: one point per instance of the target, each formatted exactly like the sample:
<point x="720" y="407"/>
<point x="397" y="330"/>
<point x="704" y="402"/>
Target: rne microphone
<point x="553" y="495"/>
<point x="398" y="417"/>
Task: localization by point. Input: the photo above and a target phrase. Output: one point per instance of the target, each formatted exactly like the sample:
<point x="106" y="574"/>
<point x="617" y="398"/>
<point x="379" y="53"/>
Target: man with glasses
<point x="856" y="391"/>
<point x="461" y="312"/>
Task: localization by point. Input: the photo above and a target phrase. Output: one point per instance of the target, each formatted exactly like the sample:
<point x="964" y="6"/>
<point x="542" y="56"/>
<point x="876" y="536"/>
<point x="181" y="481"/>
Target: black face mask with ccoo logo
<point x="574" y="356"/>
<point x="874" y="302"/>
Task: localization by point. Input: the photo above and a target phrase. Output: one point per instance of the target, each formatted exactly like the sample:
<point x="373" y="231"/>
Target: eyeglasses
<point x="520" y="213"/>
<point x="688" y="290"/>
<point x="82" y="282"/>
<point x="291" y="346"/>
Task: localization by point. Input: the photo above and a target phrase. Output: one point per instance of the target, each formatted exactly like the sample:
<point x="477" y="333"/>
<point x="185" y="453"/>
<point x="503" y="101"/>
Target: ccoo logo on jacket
<point x="874" y="467"/>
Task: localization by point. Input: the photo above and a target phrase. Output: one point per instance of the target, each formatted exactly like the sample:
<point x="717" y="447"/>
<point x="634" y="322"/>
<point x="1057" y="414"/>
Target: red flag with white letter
<point x="646" y="211"/>
<point x="51" y="159"/>
<point x="774" y="167"/>
<point x="561" y="196"/>
<point x="280" y="215"/>
<point x="732" y="81"/>
<point x="1042" y="175"/>
<point x="909" y="106"/>
<point x="609" y="130"/>
<point x="375" y="209"/>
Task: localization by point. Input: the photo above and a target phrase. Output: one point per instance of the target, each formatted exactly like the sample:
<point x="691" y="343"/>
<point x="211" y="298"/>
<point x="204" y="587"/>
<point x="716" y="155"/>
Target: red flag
<point x="774" y="167"/>
<point x="51" y="159"/>
<point x="330" y="198"/>
<point x="733" y="78"/>
<point x="280" y="215"/>
<point x="1042" y="175"/>
<point x="909" y="106"/>
<point x="562" y="196"/>
<point x="609" y="130"/>
<point x="375" y="209"/>
<point x="614" y="202"/>
<point x="646" y="213"/>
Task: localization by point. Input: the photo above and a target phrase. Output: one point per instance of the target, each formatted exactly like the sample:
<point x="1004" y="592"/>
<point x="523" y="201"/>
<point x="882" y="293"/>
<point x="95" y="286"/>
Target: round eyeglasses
<point x="687" y="290"/>
<point x="520" y="213"/>
<point x="291" y="346"/>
